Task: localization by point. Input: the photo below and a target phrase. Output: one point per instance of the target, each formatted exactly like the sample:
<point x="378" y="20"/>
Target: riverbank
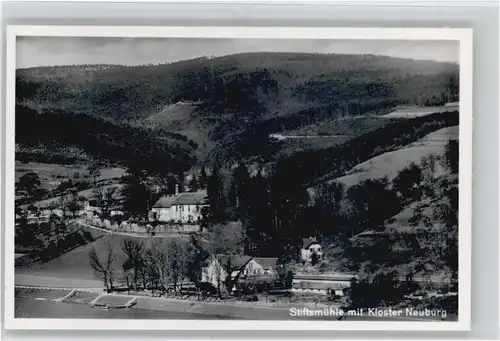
<point x="31" y="308"/>
<point x="223" y="309"/>
<point x="60" y="303"/>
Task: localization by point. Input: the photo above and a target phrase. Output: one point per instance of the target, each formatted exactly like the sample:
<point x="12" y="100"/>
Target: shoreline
<point x="241" y="310"/>
<point x="201" y="309"/>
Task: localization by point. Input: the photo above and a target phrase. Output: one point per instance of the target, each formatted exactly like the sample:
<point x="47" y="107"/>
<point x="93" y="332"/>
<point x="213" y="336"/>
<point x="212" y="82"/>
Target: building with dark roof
<point x="239" y="267"/>
<point x="184" y="208"/>
<point x="268" y="264"/>
<point x="311" y="248"/>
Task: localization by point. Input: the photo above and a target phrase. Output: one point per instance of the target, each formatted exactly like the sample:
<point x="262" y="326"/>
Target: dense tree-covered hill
<point x="46" y="136"/>
<point x="238" y="83"/>
<point x="235" y="100"/>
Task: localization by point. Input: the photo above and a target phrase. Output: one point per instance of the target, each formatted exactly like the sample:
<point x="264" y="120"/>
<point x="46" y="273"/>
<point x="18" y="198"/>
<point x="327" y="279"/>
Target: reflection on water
<point x="31" y="308"/>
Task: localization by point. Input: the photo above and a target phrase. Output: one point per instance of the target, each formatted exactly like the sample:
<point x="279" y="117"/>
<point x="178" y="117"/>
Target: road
<point x="135" y="234"/>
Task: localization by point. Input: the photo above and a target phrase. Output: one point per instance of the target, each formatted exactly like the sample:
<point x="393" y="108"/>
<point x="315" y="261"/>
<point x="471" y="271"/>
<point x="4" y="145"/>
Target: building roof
<point x="186" y="198"/>
<point x="306" y="242"/>
<point x="165" y="201"/>
<point x="266" y="262"/>
<point x="236" y="262"/>
<point x="191" y="198"/>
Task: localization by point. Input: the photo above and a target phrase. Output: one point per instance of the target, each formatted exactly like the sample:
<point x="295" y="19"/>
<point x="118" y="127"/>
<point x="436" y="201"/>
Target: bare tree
<point x="174" y="257"/>
<point x="135" y="252"/>
<point x="218" y="274"/>
<point x="104" y="265"/>
<point x="160" y="267"/>
<point x="148" y="275"/>
<point x="178" y="260"/>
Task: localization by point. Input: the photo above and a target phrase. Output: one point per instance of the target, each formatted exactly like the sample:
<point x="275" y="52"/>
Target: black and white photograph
<point x="226" y="179"/>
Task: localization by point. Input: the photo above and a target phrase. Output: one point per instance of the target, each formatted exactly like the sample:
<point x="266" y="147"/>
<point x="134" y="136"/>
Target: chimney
<point x="176" y="189"/>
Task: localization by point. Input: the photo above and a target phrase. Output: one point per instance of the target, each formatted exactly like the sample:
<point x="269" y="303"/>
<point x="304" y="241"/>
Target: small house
<point x="322" y="284"/>
<point x="268" y="265"/>
<point x="238" y="267"/>
<point x="310" y="250"/>
<point x="92" y="208"/>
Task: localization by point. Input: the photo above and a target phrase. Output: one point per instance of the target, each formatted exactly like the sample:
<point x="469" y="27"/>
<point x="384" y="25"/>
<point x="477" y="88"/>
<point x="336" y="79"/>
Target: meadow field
<point x="391" y="163"/>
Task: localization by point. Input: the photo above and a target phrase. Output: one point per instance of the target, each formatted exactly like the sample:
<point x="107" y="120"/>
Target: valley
<point x="153" y="177"/>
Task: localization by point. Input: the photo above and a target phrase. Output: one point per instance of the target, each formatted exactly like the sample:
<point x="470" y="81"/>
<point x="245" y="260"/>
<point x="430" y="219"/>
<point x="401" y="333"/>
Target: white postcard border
<point x="464" y="36"/>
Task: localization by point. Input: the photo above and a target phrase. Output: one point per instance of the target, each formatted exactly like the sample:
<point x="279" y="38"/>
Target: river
<point x="32" y="308"/>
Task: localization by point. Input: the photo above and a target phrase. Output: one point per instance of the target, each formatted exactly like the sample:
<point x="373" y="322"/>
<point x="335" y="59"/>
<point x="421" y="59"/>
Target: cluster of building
<point x="217" y="269"/>
<point x="186" y="208"/>
<point x="181" y="208"/>
<point x="243" y="268"/>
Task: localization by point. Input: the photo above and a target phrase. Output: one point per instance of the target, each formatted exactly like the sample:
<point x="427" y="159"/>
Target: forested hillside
<point x="56" y="136"/>
<point x="229" y="105"/>
<point x="235" y="98"/>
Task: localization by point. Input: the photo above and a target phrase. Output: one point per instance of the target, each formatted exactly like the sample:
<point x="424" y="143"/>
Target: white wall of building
<point x="178" y="213"/>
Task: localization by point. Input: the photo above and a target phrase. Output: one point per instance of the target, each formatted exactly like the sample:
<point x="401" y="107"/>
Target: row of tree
<point x="164" y="265"/>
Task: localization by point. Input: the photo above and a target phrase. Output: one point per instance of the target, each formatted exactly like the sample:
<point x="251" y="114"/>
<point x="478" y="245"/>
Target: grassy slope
<point x="330" y="133"/>
<point x="389" y="164"/>
<point x="401" y="226"/>
<point x="75" y="263"/>
<point x="50" y="172"/>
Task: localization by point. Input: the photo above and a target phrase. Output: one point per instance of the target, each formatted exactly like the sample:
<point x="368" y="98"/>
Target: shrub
<point x="80" y="239"/>
<point x="207" y="288"/>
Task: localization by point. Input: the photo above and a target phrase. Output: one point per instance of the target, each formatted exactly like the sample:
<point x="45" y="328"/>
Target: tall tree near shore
<point x="104" y="265"/>
<point x="178" y="260"/>
<point x="160" y="263"/>
<point x="196" y="256"/>
<point x="135" y="257"/>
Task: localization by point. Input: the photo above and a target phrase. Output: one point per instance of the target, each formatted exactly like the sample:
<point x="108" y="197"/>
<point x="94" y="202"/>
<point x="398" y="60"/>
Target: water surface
<point x="33" y="308"/>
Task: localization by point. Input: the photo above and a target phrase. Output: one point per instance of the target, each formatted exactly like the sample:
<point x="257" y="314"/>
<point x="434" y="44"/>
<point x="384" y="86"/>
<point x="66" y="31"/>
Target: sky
<point x="50" y="51"/>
